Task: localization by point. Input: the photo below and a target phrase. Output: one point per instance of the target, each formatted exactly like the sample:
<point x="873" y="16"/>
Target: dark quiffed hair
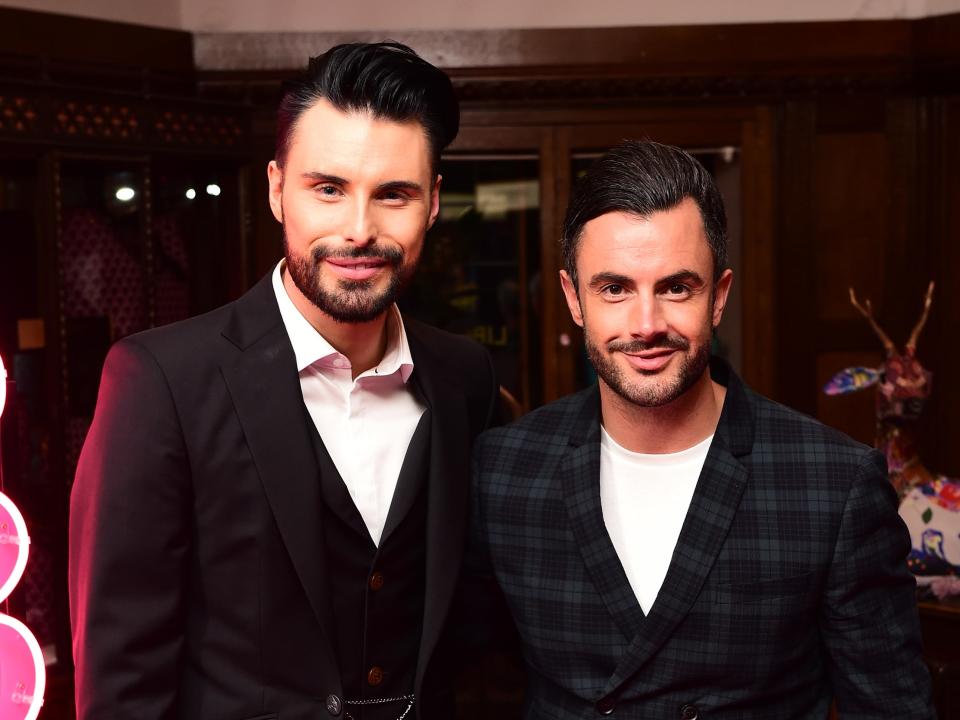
<point x="386" y="79"/>
<point x="641" y="177"/>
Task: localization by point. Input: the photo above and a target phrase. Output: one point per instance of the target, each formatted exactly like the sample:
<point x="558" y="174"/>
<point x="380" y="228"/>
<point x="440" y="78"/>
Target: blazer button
<point x="605" y="706"/>
<point x="375" y="676"/>
<point x="689" y="712"/>
<point x="334" y="705"/>
<point x="376" y="581"/>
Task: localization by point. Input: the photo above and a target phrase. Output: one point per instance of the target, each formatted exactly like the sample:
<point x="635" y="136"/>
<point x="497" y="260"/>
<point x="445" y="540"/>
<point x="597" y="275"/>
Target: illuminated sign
<point x="22" y="672"/>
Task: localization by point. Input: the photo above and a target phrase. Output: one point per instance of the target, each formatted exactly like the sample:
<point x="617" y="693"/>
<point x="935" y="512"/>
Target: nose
<point x="359" y="227"/>
<point x="647" y="319"/>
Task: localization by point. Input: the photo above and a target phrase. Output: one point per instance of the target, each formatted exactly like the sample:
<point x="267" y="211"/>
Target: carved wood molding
<point x="263" y="89"/>
<point x="85" y="118"/>
<point x="627" y="64"/>
<point x="640" y="89"/>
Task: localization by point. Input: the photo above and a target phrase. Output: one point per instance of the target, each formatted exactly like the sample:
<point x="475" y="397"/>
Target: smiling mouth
<point x="356" y="265"/>
<point x="650" y="360"/>
<point x="355" y="269"/>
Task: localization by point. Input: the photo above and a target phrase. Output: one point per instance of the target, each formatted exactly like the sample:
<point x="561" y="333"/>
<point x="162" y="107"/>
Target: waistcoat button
<point x="689" y="712"/>
<point x="605" y="706"/>
<point x="375" y="676"/>
<point x="376" y="581"/>
<point x="334" y="705"/>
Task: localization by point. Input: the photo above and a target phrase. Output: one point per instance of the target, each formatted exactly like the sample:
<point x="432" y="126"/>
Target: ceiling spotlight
<point x="191" y="193"/>
<point x="213" y="189"/>
<point x="125" y="193"/>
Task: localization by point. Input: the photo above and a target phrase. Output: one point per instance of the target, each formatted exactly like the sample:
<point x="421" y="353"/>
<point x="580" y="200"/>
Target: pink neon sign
<point x="22" y="672"/>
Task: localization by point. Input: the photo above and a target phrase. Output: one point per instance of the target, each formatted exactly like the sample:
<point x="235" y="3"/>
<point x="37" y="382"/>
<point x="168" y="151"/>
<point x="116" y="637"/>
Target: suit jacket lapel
<point x="267" y="397"/>
<point x="579" y="475"/>
<point x="410" y="478"/>
<point x="712" y="511"/>
<point x="447" y="490"/>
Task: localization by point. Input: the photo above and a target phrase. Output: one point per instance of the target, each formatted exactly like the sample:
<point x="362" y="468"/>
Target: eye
<point x="394" y="197"/>
<point x="613" y="290"/>
<point x="676" y="291"/>
<point x="327" y="191"/>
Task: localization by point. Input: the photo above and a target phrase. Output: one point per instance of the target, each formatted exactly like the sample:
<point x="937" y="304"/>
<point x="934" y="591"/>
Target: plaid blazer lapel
<point x="579" y="475"/>
<point x="712" y="511"/>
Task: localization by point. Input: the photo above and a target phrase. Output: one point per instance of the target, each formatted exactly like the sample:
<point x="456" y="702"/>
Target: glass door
<point x="480" y="273"/>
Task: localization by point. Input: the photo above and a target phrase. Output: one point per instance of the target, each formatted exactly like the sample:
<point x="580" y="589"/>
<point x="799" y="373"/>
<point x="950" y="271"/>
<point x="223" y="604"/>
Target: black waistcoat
<point x="376" y="594"/>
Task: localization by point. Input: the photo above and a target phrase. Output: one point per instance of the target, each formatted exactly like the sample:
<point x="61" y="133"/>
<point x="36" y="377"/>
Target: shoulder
<point x="188" y="350"/>
<point x="544" y="430"/>
<point x="218" y="334"/>
<point x="776" y="423"/>
<point x="791" y="448"/>
<point x="195" y="337"/>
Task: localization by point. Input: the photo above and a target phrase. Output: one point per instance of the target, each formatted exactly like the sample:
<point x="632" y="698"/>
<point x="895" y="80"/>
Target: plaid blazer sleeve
<point x="869" y="621"/>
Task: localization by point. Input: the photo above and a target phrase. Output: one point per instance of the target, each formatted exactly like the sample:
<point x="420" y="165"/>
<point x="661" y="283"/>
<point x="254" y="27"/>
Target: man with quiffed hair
<point x="670" y="543"/>
<point x="270" y="507"/>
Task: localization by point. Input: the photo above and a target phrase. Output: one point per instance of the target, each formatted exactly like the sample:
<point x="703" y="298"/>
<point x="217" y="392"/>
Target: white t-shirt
<point x="645" y="499"/>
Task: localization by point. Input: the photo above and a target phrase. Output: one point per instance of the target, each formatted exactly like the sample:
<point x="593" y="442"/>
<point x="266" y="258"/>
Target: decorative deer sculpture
<point x="930" y="503"/>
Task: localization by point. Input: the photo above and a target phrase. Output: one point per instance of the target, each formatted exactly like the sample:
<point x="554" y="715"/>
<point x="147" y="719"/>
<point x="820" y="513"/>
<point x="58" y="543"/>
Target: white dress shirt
<point x="366" y="424"/>
<point x="645" y="499"/>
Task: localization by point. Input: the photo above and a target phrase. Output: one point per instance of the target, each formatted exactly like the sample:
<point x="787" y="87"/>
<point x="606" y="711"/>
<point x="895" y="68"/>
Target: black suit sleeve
<point x="869" y="615"/>
<point x="129" y="535"/>
<point x="491" y="626"/>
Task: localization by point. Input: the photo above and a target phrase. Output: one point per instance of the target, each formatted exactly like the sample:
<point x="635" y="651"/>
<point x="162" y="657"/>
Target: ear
<point x="720" y="294"/>
<point x="573" y="300"/>
<point x="275" y="180"/>
<point x="434" y="202"/>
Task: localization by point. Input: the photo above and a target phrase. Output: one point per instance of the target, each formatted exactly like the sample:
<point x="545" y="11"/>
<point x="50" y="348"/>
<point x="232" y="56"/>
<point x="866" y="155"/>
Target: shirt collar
<point x="310" y="347"/>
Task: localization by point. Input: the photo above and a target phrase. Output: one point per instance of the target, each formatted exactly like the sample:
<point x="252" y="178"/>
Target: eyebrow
<point x="602" y="278"/>
<point x="323" y="177"/>
<point x="682" y="276"/>
<point x="407" y="185"/>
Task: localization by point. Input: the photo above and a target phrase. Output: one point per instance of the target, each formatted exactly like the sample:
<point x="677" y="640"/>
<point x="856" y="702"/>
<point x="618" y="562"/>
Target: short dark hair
<point x="386" y="79"/>
<point x="641" y="177"/>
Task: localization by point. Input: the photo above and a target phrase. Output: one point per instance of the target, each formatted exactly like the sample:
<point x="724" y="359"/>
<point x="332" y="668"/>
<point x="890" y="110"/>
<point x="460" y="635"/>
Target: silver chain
<point x="382" y="701"/>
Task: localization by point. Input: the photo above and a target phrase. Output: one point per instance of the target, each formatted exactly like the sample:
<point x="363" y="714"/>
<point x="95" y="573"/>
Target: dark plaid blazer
<point x="788" y="586"/>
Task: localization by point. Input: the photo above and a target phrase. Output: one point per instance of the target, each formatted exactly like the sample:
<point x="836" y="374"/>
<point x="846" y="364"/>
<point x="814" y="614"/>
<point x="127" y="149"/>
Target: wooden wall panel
<point x="757" y="276"/>
<point x="46" y="36"/>
<point x="852" y="220"/>
<point x="795" y="325"/>
<point x="939" y="348"/>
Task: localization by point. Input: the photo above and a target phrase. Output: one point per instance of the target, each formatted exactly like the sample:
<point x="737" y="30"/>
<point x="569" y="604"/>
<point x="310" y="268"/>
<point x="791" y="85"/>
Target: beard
<point x="349" y="301"/>
<point x="660" y="389"/>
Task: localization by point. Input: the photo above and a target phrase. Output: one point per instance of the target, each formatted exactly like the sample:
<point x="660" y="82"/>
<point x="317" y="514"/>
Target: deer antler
<point x="867" y="312"/>
<point x="927" y="302"/>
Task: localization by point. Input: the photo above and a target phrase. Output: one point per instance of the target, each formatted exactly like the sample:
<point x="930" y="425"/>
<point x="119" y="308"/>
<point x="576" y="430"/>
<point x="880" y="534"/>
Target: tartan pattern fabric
<point x="788" y="586"/>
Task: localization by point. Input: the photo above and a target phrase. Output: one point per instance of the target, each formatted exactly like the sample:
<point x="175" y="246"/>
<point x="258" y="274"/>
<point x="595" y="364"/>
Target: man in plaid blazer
<point x="774" y="584"/>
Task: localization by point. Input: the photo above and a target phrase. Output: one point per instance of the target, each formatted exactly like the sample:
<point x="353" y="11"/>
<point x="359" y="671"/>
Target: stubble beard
<point x="351" y="301"/>
<point x="656" y="393"/>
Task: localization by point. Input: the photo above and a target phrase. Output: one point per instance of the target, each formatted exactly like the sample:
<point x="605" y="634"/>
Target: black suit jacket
<point x="196" y="563"/>
<point x="788" y="586"/>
